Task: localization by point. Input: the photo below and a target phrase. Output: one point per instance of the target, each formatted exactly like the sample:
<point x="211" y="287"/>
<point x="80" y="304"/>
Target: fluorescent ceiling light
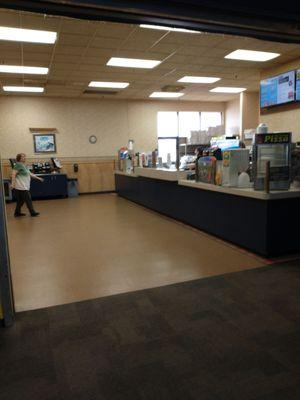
<point x="166" y="94"/>
<point x="31" y="89"/>
<point x="223" y="89"/>
<point x="198" y="79"/>
<point x="16" y="69"/>
<point x="168" y="28"/>
<point x="251" y="55"/>
<point x="109" y="85"/>
<point x="132" y="62"/>
<point x="27" y="35"/>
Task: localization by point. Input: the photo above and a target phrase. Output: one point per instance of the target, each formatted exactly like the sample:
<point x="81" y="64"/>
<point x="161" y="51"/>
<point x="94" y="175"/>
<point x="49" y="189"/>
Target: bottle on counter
<point x="169" y="162"/>
<point x="136" y="160"/>
<point x="154" y="158"/>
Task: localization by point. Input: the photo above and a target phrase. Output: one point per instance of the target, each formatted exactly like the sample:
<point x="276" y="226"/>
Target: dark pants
<point x="23" y="196"/>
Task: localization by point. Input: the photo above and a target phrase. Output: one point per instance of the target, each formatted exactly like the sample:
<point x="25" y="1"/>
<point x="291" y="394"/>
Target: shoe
<point x="20" y="215"/>
<point x="35" y="214"/>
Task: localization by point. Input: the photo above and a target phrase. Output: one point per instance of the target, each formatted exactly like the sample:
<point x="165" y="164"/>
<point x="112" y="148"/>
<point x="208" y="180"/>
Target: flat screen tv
<point x="277" y="90"/>
<point x="298" y="84"/>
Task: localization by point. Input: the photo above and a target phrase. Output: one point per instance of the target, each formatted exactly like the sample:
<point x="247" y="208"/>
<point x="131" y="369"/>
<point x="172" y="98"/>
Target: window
<point x="166" y="146"/>
<point x="173" y="124"/>
<point x="188" y="121"/>
<point x="210" y="119"/>
<point x="167" y="123"/>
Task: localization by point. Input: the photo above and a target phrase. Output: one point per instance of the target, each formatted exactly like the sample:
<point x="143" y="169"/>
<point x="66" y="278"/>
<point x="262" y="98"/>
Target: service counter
<point x="165" y="174"/>
<point x="266" y="224"/>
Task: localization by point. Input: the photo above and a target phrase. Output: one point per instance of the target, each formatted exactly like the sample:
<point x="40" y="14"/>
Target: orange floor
<point x="98" y="245"/>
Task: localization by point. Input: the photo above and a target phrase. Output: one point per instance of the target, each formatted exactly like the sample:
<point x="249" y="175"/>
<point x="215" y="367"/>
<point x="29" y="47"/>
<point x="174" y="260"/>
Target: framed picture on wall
<point x="44" y="143"/>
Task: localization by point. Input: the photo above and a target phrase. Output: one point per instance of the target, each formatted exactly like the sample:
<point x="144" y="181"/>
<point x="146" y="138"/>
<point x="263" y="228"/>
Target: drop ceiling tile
<point x="72" y="50"/>
<point x="165" y="48"/>
<point x="280" y="47"/>
<point x="12" y="76"/>
<point x="193" y="50"/>
<point x="9" y="18"/>
<point x="114" y="30"/>
<point x="228" y="63"/>
<point x="137" y="54"/>
<point x="11" y="81"/>
<point x="283" y="60"/>
<point x="97" y="52"/>
<point x="202" y="60"/>
<point x="67" y="39"/>
<point x="295" y="52"/>
<point x="64" y="66"/>
<point x="37" y="48"/>
<point x="201" y="39"/>
<point x="106" y="43"/>
<point x="89" y="68"/>
<point x="32" y="58"/>
<point x="74" y="26"/>
<point x="62" y="93"/>
<point x="138" y="45"/>
<point x="178" y="59"/>
<point x="253" y="77"/>
<point x="216" y="52"/>
<point x="97" y="60"/>
<point x="42" y="22"/>
<point x="9" y="46"/>
<point x="182" y="38"/>
<point x="232" y="43"/>
<point x="11" y="57"/>
<point x="35" y="79"/>
<point x="150" y="35"/>
<point x="59" y="75"/>
<point x="63" y="58"/>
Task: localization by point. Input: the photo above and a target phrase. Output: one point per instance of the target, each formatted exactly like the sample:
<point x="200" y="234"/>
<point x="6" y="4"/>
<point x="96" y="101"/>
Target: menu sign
<point x="272" y="138"/>
<point x="298" y="84"/>
<point x="277" y="90"/>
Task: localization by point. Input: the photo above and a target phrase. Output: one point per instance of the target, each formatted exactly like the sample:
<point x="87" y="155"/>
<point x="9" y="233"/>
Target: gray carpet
<point x="234" y="337"/>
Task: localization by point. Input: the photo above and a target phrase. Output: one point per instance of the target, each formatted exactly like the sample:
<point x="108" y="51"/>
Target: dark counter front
<point x="266" y="227"/>
<point x="54" y="186"/>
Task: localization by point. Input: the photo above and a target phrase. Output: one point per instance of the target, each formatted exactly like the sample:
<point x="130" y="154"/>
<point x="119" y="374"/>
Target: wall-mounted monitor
<point x="298" y="84"/>
<point x="278" y="90"/>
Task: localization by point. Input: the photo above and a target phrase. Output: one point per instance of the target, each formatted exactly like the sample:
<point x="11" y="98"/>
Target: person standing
<point x="21" y="177"/>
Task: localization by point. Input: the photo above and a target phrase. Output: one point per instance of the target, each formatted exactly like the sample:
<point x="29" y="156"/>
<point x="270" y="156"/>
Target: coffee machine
<point x="41" y="168"/>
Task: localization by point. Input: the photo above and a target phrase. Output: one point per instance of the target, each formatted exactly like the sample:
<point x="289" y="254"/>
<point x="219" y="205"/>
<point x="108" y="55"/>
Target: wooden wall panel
<point x="93" y="176"/>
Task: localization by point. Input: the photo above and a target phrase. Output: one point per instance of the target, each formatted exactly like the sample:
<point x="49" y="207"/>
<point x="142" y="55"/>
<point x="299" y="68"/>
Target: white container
<point x="234" y="162"/>
<point x="262" y="128"/>
<point x="243" y="180"/>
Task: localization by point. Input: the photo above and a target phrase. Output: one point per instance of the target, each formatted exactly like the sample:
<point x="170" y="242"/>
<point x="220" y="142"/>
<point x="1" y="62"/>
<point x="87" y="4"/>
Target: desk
<point x="54" y="186"/>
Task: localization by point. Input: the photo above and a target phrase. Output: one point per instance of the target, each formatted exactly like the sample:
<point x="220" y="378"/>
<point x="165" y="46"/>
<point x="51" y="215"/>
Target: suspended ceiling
<point x="84" y="47"/>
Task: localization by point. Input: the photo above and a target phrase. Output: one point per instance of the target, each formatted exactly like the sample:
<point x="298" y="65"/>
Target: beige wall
<point x="242" y="113"/>
<point x="287" y="117"/>
<point x="250" y="110"/>
<point x="112" y="121"/>
<point x="232" y="117"/>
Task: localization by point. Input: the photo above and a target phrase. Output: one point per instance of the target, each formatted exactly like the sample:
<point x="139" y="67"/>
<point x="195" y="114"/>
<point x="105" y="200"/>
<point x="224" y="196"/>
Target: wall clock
<point x="93" y="139"/>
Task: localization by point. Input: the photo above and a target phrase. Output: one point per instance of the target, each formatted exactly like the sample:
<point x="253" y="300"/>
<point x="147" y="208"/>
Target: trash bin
<point x="7" y="190"/>
<point x="72" y="187"/>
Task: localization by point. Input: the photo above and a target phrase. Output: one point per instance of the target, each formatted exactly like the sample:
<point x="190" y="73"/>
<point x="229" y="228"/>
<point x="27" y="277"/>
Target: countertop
<point x="245" y="192"/>
<point x="157" y="173"/>
<point x="132" y="174"/>
<point x="41" y="175"/>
